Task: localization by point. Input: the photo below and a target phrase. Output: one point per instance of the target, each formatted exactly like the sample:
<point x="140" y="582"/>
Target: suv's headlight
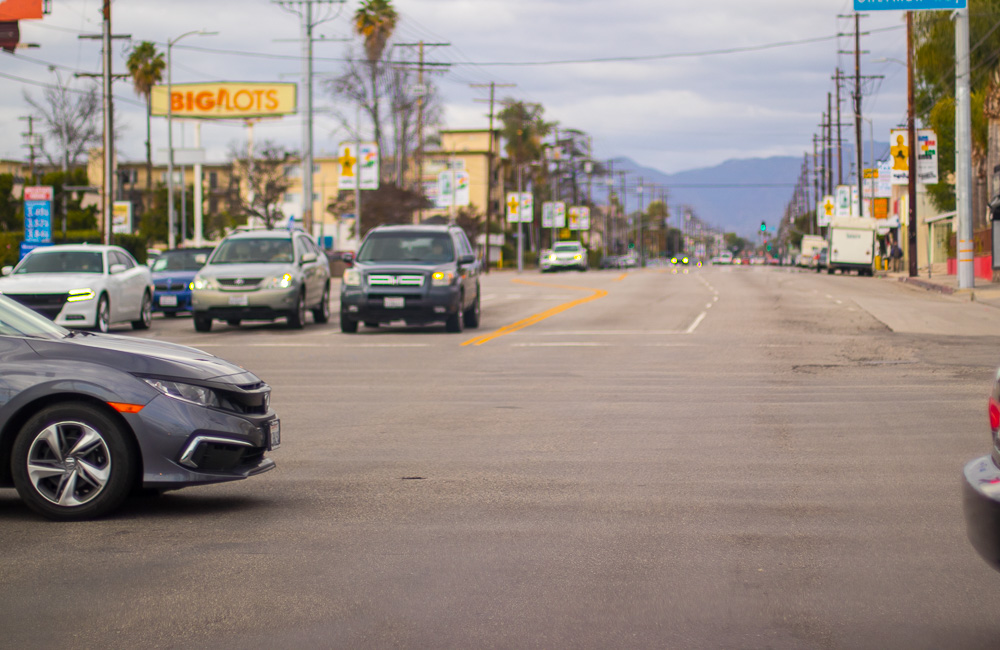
<point x="442" y="278"/>
<point x="185" y="392"/>
<point x="204" y="283"/>
<point x="282" y="281"/>
<point x="352" y="278"/>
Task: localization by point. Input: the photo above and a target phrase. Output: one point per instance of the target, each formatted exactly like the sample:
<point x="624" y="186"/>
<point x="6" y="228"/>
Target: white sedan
<point x="82" y="286"/>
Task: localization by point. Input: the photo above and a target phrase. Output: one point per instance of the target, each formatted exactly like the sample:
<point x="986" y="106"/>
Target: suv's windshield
<point x="407" y="247"/>
<point x="180" y="261"/>
<point x="266" y="250"/>
<point x="18" y="320"/>
<point x="62" y="262"/>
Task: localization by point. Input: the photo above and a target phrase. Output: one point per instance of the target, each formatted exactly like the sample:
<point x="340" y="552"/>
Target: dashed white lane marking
<point x="561" y="344"/>
<point x="696" y="323"/>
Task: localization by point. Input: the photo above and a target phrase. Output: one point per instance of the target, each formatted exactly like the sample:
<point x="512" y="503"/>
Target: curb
<point x="930" y="286"/>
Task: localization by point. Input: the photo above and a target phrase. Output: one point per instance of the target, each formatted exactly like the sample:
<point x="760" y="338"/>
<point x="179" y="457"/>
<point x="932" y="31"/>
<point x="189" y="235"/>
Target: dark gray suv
<point x="418" y="274"/>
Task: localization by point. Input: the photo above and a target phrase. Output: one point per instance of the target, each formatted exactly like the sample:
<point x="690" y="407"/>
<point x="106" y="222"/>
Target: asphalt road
<point x="728" y="458"/>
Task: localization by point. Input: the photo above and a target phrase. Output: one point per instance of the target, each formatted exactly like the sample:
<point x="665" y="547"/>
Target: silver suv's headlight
<point x="185" y="392"/>
<point x="282" y="281"/>
<point x="201" y="282"/>
<point x="352" y="278"/>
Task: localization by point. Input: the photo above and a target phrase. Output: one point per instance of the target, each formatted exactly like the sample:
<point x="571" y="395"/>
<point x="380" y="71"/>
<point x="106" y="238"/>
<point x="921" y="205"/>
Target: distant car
<point x="90" y="418"/>
<point x="418" y="274"/>
<point x="83" y="286"/>
<point x="173" y="275"/>
<point x="981" y="490"/>
<point x="262" y="275"/>
<point x="822" y="260"/>
<point x="564" y="255"/>
<point x="680" y="260"/>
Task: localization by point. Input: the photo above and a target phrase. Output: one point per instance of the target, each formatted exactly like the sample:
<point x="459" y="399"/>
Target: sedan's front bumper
<point x="562" y="263"/>
<point x="186" y="444"/>
<point x="981" y="503"/>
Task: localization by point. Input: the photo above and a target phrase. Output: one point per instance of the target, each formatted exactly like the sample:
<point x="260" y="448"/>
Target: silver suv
<point x="262" y="275"/>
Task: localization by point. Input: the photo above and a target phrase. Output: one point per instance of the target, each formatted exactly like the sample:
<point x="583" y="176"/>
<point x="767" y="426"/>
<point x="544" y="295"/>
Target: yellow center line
<point x="537" y="318"/>
<point x="621" y="277"/>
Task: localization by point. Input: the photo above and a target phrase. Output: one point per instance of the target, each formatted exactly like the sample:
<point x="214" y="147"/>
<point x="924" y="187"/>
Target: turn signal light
<point x="994" y="414"/>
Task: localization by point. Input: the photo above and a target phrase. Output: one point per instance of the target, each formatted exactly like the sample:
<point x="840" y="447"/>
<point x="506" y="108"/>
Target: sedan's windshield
<point x="254" y="251"/>
<point x="566" y="248"/>
<point x="17" y="320"/>
<point x="180" y="261"/>
<point x="407" y="247"/>
<point x="61" y="262"/>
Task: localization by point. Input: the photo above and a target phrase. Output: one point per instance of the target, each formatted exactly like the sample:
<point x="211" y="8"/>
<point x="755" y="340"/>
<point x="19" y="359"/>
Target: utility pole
<point x="642" y="257"/>
<point x="812" y="222"/>
<point x="963" y="158"/>
<point x="829" y="142"/>
<point x="857" y="113"/>
<point x="304" y="9"/>
<point x="422" y="67"/>
<point x="31" y="143"/>
<point x="609" y="224"/>
<point x="840" y="141"/>
<point x="491" y="166"/>
<point x="624" y="196"/>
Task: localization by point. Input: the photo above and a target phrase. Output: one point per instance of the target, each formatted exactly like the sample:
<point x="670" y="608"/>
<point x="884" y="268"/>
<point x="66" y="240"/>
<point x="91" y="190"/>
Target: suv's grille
<point x="46" y="304"/>
<point x="240" y="283"/>
<point x="384" y="280"/>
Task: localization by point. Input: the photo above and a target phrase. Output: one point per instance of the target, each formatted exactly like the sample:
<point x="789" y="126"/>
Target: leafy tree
<point x="145" y="65"/>
<point x="11" y="218"/>
<point x="523" y="128"/>
<point x="375" y="21"/>
<point x="389" y="204"/>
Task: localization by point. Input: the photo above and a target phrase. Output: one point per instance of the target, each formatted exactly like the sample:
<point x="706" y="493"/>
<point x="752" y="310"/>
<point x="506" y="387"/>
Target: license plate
<point x="168" y="301"/>
<point x="394" y="302"/>
<point x="274" y="435"/>
<point x="239" y="301"/>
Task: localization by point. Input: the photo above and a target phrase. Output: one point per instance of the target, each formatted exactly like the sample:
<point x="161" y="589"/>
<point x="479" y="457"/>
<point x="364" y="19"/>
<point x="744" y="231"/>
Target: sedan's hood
<point x="144" y="356"/>
<point x="48" y="282"/>
<point x="245" y="270"/>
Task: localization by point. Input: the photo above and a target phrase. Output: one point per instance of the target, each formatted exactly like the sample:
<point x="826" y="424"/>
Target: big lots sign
<point x="225" y="100"/>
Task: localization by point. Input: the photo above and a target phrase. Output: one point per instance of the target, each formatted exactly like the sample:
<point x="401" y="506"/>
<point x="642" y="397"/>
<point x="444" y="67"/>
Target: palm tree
<point x="375" y="21"/>
<point x="145" y="66"/>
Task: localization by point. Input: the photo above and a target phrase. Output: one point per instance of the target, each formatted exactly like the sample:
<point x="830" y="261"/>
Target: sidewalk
<point x="983" y="291"/>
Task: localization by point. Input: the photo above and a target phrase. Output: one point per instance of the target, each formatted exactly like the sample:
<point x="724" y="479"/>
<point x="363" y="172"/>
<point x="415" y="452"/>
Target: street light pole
<point x="171" y="218"/>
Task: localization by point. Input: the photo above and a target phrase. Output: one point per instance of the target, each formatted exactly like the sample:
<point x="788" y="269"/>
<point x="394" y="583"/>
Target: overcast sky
<point x="673" y="106"/>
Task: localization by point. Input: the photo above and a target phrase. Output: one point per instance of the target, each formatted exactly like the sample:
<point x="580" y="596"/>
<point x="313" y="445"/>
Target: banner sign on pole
<point x="907" y="5"/>
<point x="121" y="217"/>
<point x="358" y="162"/>
<point x="38" y="214"/>
<point x="519" y="208"/>
<point x="559" y="215"/>
<point x="843" y="201"/>
<point x="446" y="190"/>
<point x="579" y="217"/>
<point x="825" y="211"/>
<point x="927" y="156"/>
<point x="461" y="185"/>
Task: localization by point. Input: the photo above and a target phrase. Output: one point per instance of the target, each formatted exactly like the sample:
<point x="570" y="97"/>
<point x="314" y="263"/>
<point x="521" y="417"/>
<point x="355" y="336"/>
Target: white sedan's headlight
<point x="282" y="281"/>
<point x="552" y="257"/>
<point x="352" y="278"/>
<point x="185" y="392"/>
<point x="201" y="283"/>
<point x="79" y="295"/>
<point x="578" y="257"/>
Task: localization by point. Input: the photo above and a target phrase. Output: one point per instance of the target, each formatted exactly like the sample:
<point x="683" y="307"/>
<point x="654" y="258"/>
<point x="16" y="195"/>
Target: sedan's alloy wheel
<point x="69" y="463"/>
<point x="103" y="315"/>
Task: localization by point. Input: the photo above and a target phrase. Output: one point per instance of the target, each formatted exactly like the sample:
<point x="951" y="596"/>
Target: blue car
<point x="173" y="272"/>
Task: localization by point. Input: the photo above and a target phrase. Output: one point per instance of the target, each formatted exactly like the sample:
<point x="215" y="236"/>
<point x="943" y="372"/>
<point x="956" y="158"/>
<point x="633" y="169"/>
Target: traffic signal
<point x="763" y="227"/>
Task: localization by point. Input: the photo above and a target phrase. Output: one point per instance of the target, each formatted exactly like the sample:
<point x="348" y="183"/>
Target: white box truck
<point x="851" y="245"/>
<point x="811" y="246"/>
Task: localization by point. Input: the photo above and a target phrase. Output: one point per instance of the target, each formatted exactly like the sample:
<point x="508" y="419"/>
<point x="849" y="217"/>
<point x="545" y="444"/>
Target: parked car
<point x="83" y="285"/>
<point x="262" y="275"/>
<point x="981" y="490"/>
<point x="418" y="274"/>
<point x="86" y="419"/>
<point x="564" y="255"/>
<point x="173" y="275"/>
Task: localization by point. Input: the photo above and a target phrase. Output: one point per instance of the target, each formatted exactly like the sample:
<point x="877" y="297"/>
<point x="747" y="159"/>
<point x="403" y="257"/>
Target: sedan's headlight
<point x="578" y="257"/>
<point x="552" y="258"/>
<point x="79" y="295"/>
<point x="185" y="392"/>
<point x="282" y="281"/>
<point x="201" y="283"/>
<point x="442" y="278"/>
<point x="352" y="278"/>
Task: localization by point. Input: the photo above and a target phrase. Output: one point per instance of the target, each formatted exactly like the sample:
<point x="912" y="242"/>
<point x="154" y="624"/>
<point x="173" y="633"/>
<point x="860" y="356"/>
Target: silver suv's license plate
<point x="274" y="435"/>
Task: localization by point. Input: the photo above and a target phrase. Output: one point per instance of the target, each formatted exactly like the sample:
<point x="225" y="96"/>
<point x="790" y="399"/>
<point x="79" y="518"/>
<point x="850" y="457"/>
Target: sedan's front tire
<point x="145" y="315"/>
<point x="102" y="321"/>
<point x="73" y="461"/>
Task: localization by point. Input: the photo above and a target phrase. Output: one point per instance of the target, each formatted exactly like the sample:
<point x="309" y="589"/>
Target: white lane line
<point x="389" y="345"/>
<point x="696" y="323"/>
<point x="605" y="332"/>
<point x="839" y="302"/>
<point x="561" y="344"/>
<point x="714" y="299"/>
<point x="829" y="296"/>
<point x="709" y="305"/>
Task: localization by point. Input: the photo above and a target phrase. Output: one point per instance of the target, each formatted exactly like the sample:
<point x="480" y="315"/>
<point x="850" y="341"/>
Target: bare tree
<point x="264" y="181"/>
<point x="71" y="124"/>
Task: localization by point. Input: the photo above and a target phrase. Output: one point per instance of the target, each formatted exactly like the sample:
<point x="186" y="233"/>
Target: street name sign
<point x="907" y="5"/>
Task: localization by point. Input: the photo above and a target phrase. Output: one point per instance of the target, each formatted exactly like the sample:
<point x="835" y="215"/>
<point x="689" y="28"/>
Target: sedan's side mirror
<point x="466" y="259"/>
<point x="7" y="270"/>
<point x="116" y="268"/>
